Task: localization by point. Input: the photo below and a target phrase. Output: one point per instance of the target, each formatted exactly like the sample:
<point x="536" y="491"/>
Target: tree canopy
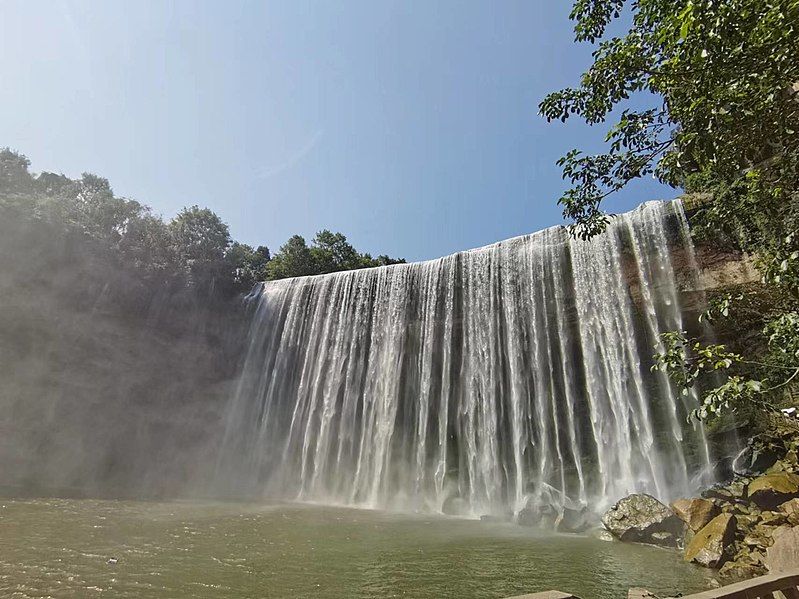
<point x="719" y="82"/>
<point x="194" y="250"/>
<point x="328" y="252"/>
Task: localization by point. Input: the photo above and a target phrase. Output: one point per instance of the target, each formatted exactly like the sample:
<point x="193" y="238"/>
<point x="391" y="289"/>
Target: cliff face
<point x="702" y="270"/>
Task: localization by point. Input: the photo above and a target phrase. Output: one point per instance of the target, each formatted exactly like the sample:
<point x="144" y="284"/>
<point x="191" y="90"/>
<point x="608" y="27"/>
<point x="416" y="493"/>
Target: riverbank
<point x="744" y="527"/>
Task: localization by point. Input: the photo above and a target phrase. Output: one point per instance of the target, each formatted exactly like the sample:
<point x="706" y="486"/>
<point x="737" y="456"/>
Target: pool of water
<point x="61" y="548"/>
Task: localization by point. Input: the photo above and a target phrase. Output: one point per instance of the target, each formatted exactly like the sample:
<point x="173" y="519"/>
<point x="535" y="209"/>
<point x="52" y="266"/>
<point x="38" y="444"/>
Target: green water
<point x="59" y="548"/>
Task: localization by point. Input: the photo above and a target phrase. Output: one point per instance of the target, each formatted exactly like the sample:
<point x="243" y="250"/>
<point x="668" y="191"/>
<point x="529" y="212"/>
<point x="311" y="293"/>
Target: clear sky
<point x="410" y="126"/>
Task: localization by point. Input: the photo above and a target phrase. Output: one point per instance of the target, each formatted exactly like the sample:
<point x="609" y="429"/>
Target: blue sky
<point x="409" y="126"/>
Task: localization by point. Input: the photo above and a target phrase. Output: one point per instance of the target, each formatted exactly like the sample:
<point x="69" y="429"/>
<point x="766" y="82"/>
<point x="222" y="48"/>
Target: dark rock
<point x="723" y="469"/>
<point x="771" y="490"/>
<point x="541" y="516"/>
<point x="641" y="518"/>
<point x="727" y="492"/>
<point x="575" y="520"/>
<point x="696" y="513"/>
<point x="755" y="458"/>
<point x="712" y="545"/>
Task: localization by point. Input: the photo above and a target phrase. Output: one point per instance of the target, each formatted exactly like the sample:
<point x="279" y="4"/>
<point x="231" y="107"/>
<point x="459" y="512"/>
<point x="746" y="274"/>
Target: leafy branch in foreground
<point x="688" y="362"/>
<point x="721" y="80"/>
<point x="705" y="96"/>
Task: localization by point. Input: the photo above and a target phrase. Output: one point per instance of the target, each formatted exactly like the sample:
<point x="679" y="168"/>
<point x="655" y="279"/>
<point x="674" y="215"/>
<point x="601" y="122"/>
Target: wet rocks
<point x="696" y="513"/>
<point x="711" y="545"/>
<point x="570" y="516"/>
<point x="770" y="490"/>
<point x="538" y="515"/>
<point x="574" y="520"/>
<point x="745" y="526"/>
<point x="641" y="518"/>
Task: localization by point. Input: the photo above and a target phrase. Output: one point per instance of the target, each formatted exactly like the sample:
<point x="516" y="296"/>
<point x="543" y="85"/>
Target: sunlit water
<point x="60" y="548"/>
<point x="500" y="377"/>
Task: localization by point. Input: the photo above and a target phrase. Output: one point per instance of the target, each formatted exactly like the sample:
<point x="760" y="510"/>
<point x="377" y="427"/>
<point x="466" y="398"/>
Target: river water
<point x="61" y="547"/>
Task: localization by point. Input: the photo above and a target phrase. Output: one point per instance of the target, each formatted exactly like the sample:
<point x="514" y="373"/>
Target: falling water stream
<point x="505" y="380"/>
<point x="512" y="375"/>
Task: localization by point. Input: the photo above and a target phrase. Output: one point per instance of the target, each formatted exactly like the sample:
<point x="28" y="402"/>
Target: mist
<point x="109" y="387"/>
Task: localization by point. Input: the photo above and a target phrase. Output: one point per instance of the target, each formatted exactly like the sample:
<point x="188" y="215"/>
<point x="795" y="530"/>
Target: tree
<point x="200" y="240"/>
<point x="194" y="251"/>
<point x="147" y="246"/>
<point x="331" y="253"/>
<point x="14" y="175"/>
<point x="90" y="204"/>
<point x="722" y="76"/>
<point x="294" y="259"/>
<point x="249" y="265"/>
<point x="723" y="83"/>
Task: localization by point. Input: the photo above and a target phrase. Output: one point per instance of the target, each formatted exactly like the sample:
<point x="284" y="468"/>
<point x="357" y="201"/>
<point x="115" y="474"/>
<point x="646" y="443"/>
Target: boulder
<point x="641" y="518"/>
<point x="640" y="593"/>
<point x="729" y="492"/>
<point x="755" y="457"/>
<point x="540" y="516"/>
<point x="711" y="546"/>
<point x="574" y="520"/>
<point x="602" y="535"/>
<point x="773" y="518"/>
<point x="771" y="490"/>
<point x="791" y="510"/>
<point x="783" y="555"/>
<point x="745" y="564"/>
<point x="696" y="513"/>
<point x="740" y="569"/>
<point x="760" y="536"/>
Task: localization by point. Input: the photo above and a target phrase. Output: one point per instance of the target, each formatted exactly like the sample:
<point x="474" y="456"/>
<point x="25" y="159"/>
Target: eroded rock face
<point x="640" y="518"/>
<point x="791" y="510"/>
<point x="771" y="490"/>
<point x="711" y="546"/>
<point x="696" y="513"/>
<point x="783" y="555"/>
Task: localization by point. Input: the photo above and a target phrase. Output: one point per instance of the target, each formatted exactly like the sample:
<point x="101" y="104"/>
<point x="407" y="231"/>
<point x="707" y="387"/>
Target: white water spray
<point x="487" y="379"/>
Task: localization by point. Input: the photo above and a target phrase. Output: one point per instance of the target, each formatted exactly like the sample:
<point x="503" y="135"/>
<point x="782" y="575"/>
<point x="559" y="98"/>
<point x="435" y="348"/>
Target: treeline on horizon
<point x="193" y="252"/>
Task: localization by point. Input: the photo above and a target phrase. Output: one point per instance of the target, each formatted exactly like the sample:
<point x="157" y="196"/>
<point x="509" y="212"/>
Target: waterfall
<point x="479" y="382"/>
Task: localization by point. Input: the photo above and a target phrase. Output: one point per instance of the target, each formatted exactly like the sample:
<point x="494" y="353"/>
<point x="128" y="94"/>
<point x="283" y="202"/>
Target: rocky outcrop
<point x="763" y="499"/>
<point x="783" y="555"/>
<point x="745" y="526"/>
<point x="770" y="490"/>
<point x="696" y="513"/>
<point x="791" y="510"/>
<point x="711" y="546"/>
<point x="641" y="518"/>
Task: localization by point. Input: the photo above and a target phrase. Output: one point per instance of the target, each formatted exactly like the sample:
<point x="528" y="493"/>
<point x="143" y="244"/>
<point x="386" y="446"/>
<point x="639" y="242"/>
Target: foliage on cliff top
<point x="192" y="252"/>
<point x="719" y="82"/>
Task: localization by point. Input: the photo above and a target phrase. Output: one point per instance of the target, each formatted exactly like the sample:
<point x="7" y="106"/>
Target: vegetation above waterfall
<point x="192" y="253"/>
<point x="719" y="86"/>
